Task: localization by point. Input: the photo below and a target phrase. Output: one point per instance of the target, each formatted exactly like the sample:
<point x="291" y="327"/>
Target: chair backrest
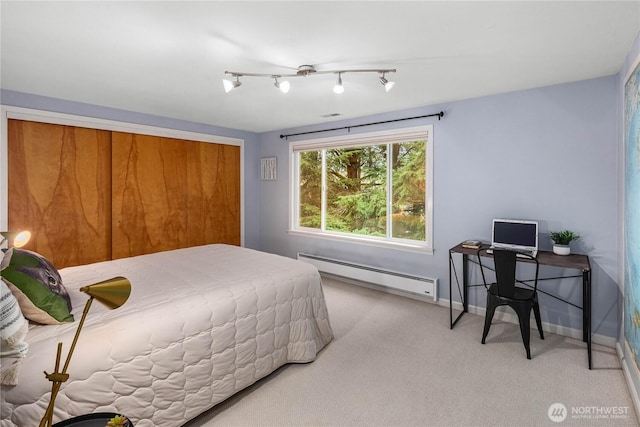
<point x="505" y="266"/>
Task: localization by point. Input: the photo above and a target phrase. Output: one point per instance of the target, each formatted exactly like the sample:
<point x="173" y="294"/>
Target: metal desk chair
<point x="505" y="292"/>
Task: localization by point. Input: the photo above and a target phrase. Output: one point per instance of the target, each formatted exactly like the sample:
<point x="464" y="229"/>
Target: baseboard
<point x="624" y="362"/>
<point x="506" y="316"/>
<point x="480" y="311"/>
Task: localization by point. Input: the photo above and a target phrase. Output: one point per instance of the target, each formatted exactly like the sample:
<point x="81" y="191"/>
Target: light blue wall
<point x="559" y="140"/>
<point x="562" y="139"/>
<point x="251" y="148"/>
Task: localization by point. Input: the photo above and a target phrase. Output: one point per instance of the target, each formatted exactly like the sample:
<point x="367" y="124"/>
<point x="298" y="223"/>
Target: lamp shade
<point x="387" y="84"/>
<point x="112" y="292"/>
<point x="16" y="238"/>
<point x="338" y="88"/>
<point x="230" y="85"/>
<point x="284" y="86"/>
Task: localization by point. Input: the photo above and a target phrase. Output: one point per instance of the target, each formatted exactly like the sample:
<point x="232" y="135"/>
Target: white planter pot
<point x="561" y="249"/>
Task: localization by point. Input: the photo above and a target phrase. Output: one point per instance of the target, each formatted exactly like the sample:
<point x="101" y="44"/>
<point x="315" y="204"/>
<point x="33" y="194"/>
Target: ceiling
<point x="169" y="58"/>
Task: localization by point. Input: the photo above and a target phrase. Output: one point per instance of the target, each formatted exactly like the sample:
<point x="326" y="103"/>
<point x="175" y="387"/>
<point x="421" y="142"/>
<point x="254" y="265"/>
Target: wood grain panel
<point x="149" y="194"/>
<point x="60" y="189"/>
<point x="214" y="194"/>
<point x="90" y="195"/>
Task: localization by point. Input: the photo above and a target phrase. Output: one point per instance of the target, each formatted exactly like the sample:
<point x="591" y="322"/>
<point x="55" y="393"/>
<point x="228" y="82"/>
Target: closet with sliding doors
<point x="90" y="195"/>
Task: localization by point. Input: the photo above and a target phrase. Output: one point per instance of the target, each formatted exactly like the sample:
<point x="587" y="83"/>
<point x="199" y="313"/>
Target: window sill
<point x="399" y="245"/>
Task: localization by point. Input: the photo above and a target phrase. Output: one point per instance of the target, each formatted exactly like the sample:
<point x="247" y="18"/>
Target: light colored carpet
<point x="394" y="361"/>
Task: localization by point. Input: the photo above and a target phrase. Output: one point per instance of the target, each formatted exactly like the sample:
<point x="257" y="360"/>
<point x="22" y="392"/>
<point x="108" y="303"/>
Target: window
<point x="376" y="188"/>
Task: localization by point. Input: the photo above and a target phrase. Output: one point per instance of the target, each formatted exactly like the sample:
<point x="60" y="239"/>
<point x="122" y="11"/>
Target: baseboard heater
<point x="389" y="279"/>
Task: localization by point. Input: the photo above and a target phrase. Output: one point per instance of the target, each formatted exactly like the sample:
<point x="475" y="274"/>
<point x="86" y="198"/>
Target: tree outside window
<point x="377" y="190"/>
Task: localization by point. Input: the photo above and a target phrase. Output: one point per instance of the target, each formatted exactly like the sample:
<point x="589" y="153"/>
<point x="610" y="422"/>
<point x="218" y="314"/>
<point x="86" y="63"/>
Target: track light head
<point x="386" y="83"/>
<point x="283" y="85"/>
<point x="338" y="88"/>
<point x="230" y="85"/>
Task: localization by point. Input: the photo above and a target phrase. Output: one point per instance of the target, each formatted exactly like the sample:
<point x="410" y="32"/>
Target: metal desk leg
<point x="465" y="283"/>
<point x="586" y="311"/>
<point x="450" y="294"/>
<point x="465" y="291"/>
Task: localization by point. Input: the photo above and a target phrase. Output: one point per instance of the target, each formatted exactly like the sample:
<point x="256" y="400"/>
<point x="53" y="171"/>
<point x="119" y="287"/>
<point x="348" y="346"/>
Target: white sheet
<point x="201" y="324"/>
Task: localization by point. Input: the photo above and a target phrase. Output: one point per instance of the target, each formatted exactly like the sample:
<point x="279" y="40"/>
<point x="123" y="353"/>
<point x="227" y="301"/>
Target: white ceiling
<point x="169" y="58"/>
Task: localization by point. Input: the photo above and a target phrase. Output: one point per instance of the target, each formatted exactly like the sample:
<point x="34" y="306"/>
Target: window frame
<point x="424" y="132"/>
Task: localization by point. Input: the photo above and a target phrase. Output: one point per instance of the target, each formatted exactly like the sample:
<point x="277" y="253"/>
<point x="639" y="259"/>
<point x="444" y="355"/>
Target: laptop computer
<point x="516" y="235"/>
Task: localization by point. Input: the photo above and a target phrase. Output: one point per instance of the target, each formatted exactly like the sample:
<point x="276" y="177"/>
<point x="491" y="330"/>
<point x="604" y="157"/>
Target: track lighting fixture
<point x="304" y="71"/>
<point x="386" y="83"/>
<point x="283" y="85"/>
<point x="338" y="88"/>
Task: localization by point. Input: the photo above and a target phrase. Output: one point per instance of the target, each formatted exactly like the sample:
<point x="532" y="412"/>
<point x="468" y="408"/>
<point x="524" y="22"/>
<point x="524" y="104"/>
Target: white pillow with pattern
<point x="13" y="329"/>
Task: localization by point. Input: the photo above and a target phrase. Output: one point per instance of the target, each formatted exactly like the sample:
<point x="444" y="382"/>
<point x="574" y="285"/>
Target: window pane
<point x="356" y="190"/>
<point x="408" y="187"/>
<point x="310" y="189"/>
<point x="371" y="187"/>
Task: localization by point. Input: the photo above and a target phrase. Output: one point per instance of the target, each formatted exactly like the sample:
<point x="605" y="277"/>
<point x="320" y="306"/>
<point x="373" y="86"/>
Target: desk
<point x="573" y="261"/>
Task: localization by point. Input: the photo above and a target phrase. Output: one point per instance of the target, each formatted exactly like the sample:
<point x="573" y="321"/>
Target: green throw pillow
<point x="37" y="286"/>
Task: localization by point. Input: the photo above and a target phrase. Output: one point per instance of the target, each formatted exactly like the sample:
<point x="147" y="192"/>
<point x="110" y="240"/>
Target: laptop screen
<point x="515" y="234"/>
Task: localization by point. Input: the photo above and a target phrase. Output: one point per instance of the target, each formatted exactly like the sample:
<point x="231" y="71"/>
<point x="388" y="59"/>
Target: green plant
<point x="563" y="237"/>
<point x="118" y="421"/>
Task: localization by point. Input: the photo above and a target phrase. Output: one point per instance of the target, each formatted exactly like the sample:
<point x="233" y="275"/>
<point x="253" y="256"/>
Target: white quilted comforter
<point x="201" y="324"/>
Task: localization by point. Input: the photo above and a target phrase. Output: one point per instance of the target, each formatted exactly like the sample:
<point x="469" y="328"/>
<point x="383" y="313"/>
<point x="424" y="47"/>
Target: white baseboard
<point x="499" y="315"/>
<point x="510" y="317"/>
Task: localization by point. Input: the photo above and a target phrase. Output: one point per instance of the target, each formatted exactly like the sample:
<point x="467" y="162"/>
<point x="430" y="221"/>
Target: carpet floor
<point x="394" y="361"/>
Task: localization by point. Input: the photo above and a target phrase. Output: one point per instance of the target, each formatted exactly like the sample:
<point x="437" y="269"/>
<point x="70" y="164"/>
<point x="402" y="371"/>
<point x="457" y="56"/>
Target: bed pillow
<point x="37" y="286"/>
<point x="13" y="330"/>
<point x="13" y="325"/>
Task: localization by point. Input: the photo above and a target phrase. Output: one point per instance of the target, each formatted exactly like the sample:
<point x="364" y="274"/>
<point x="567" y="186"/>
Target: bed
<point x="201" y="324"/>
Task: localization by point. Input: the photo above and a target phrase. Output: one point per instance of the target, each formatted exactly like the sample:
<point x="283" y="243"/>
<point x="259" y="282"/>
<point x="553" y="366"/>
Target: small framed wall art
<point x="269" y="168"/>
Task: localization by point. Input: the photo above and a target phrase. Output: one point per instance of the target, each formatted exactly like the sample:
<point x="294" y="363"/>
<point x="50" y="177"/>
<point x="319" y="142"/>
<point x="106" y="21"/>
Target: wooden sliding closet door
<point x="170" y="193"/>
<point x="60" y="189"/>
<point x="214" y="194"/>
<point x="149" y="194"/>
<point x="88" y="195"/>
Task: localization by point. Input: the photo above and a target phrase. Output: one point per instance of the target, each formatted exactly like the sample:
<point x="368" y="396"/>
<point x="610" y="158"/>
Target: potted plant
<point x="561" y="240"/>
<point x="119" y="421"/>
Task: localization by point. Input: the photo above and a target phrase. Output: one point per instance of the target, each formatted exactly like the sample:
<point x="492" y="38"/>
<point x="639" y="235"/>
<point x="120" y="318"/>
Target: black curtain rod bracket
<point x="440" y="115"/>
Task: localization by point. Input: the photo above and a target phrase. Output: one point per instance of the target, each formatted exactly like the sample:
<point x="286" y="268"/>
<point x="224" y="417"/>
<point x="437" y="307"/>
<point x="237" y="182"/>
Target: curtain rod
<point x="440" y="115"/>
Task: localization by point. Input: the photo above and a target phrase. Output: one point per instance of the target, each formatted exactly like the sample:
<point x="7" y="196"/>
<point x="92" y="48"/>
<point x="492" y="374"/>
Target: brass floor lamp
<point x="112" y="293"/>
